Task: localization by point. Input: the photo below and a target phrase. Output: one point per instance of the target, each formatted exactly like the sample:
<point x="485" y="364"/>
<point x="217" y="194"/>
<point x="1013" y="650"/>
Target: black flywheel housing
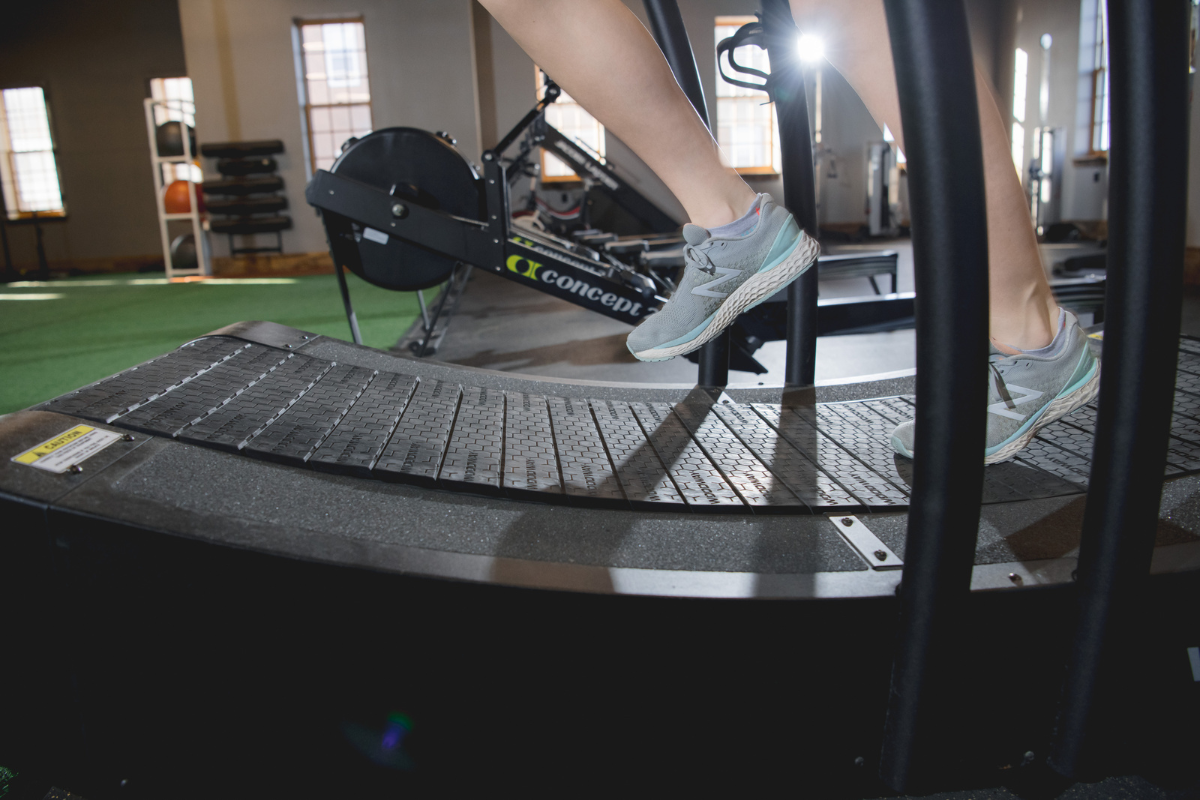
<point x="415" y="167"/>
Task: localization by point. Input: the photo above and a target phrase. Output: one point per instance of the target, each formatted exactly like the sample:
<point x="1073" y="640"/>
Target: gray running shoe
<point x="723" y="277"/>
<point x="1027" y="392"/>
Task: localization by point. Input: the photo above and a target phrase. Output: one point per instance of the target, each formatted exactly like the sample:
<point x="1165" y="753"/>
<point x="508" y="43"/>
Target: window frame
<point x="306" y="105"/>
<point x="571" y="176"/>
<point x="25" y="217"/>
<point x="1100" y="74"/>
<point x="763" y="170"/>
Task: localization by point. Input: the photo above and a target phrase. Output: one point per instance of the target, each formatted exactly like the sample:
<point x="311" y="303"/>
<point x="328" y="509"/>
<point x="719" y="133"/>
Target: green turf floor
<point x="56" y="336"/>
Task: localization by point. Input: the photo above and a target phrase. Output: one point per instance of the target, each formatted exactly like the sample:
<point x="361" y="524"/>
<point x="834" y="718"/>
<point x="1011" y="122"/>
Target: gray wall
<point x="95" y="61"/>
<point x="240" y="58"/>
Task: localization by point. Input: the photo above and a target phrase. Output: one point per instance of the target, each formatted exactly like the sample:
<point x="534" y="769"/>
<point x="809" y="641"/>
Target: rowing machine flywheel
<point x="415" y="167"/>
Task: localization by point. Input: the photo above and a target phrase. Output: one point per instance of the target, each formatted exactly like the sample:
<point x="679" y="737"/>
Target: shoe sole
<point x="1053" y="411"/>
<point x="754" y="291"/>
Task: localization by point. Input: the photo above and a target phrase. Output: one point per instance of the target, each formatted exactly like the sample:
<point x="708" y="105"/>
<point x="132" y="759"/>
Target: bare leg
<point x="603" y="56"/>
<point x="1023" y="311"/>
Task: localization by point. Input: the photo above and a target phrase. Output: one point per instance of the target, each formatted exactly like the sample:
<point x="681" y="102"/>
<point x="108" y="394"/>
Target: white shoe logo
<point x="1004" y="407"/>
<point x="726" y="275"/>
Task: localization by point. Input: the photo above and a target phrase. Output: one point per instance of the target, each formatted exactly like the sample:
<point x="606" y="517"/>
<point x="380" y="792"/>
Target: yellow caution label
<point x="67" y="449"/>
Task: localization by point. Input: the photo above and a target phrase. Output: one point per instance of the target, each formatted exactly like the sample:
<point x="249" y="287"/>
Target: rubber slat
<point x="415" y="451"/>
<point x="800" y="475"/>
<point x="1006" y="482"/>
<point x="232" y="425"/>
<point x="112" y="397"/>
<point x="168" y="414"/>
<point x="303" y="427"/>
<point x="530" y="463"/>
<point x="587" y="473"/>
<point x="757" y="485"/>
<point x="472" y="459"/>
<point x="870" y="489"/>
<point x="1187" y="382"/>
<point x="363" y="432"/>
<point x="698" y="479"/>
<point x="645" y="480"/>
<point x="869" y="437"/>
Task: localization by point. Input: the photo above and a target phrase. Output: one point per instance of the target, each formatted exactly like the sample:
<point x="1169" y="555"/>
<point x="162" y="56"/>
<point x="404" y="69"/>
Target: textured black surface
<point x="662" y="448"/>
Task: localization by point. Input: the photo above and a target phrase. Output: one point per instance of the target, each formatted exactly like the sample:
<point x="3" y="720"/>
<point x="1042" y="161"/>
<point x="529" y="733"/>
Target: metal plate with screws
<point x="865" y="543"/>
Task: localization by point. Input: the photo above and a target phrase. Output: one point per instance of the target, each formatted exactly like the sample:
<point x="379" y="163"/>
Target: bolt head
<point x="399" y="210"/>
<point x="74" y="469"/>
<point x="1016" y="579"/>
<point x="127" y="437"/>
<point x="881" y="555"/>
<point x="847" y="521"/>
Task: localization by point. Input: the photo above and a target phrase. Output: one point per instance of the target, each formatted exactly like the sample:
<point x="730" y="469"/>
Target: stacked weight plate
<point x="247" y="199"/>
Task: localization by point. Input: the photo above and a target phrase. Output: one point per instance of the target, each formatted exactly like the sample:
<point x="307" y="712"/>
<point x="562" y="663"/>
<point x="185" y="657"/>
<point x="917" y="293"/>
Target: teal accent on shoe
<point x="899" y="447"/>
<point x="687" y="337"/>
<point x="1075" y="385"/>
<point x="785" y="242"/>
<point x="1083" y="371"/>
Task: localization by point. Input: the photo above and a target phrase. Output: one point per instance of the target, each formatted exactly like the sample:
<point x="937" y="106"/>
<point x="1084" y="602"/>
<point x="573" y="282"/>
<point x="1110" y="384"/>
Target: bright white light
<point x="810" y="48"/>
<point x="30" y="296"/>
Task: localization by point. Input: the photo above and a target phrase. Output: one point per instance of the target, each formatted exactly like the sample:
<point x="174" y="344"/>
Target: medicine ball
<point x="177" y="199"/>
<point x="169" y="140"/>
<point x="183" y="252"/>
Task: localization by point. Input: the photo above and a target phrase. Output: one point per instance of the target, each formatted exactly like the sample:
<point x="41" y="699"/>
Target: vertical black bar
<point x="799" y="183"/>
<point x="350" y="316"/>
<point x="43" y="264"/>
<point x="666" y="25"/>
<point x="1148" y="49"/>
<point x="935" y="76"/>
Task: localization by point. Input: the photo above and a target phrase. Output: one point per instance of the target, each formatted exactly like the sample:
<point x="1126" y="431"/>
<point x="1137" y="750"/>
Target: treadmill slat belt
<point x="646" y="481"/>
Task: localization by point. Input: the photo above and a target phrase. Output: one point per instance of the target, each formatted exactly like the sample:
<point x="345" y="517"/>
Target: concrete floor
<point x="503" y="325"/>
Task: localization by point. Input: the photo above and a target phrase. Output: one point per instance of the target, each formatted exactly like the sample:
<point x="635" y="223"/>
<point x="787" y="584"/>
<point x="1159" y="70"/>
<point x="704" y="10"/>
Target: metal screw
<point x="398" y="210"/>
<point x="495" y="241"/>
<point x="127" y="437"/>
<point x="487" y="156"/>
<point x="331" y="191"/>
<point x="288" y="346"/>
<point x="860" y="762"/>
<point x="74" y="469"/>
<point x="881" y="555"/>
<point x="491" y="180"/>
<point x="1028" y="758"/>
<point x="847" y="521"/>
<point x="306" y="338"/>
<point x="1015" y="578"/>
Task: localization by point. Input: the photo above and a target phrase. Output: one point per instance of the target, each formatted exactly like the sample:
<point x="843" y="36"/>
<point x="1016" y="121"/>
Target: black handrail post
<point x="935" y="77"/>
<point x="1147" y="200"/>
<point x="799" y="183"/>
<point x="666" y="25"/>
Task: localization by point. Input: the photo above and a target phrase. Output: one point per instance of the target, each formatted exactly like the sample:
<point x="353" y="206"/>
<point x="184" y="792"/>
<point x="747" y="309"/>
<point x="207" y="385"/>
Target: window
<point x="747" y="128"/>
<point x="573" y="122"/>
<point x="332" y="58"/>
<point x="1020" y="84"/>
<point x="1100" y="112"/>
<point x="178" y="105"/>
<point x="28" y="169"/>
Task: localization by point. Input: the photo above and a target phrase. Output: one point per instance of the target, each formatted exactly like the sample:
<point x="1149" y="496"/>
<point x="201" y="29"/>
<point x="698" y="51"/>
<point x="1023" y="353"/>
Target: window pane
<point x="360" y="119"/>
<point x="28" y="125"/>
<point x="37" y="181"/>
<point x="746" y="127"/>
<point x="336" y="86"/>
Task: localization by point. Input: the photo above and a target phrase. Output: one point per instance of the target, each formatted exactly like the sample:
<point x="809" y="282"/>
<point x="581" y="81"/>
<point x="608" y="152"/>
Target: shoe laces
<point x="997" y="379"/>
<point x="699" y="258"/>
